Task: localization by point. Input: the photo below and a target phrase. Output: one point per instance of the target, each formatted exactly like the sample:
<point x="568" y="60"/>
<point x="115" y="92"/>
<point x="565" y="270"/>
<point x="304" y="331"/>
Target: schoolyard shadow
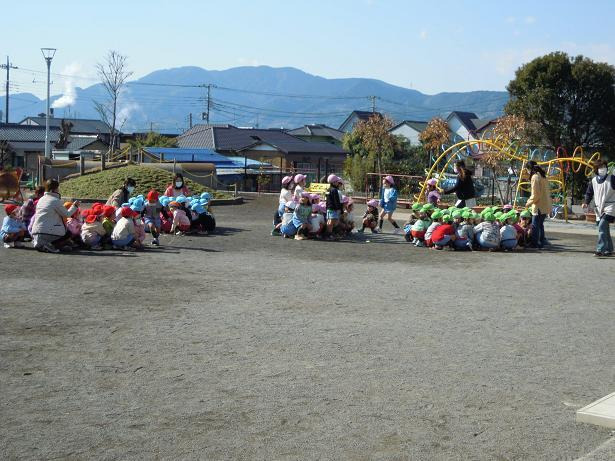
<point x="224" y="231"/>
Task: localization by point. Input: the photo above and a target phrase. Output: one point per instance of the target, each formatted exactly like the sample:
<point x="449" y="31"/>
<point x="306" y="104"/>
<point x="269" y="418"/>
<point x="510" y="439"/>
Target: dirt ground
<point x="241" y="345"/>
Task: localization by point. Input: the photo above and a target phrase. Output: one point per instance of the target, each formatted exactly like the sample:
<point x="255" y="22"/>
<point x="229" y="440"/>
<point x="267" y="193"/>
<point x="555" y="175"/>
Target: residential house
<point x="409" y="129"/>
<point x="354" y="118"/>
<point x="467" y="126"/>
<point x="26" y="142"/>
<point x="275" y="146"/>
<point x="318" y="133"/>
<point x="93" y="134"/>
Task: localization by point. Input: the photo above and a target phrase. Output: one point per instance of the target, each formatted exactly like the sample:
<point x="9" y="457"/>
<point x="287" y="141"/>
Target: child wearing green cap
<point x="436" y="217"/>
<point x="488" y="233"/>
<point x="419" y="228"/>
<point x="508" y="233"/>
<point x="526" y="226"/>
<point x="465" y="232"/>
<point x="414" y="216"/>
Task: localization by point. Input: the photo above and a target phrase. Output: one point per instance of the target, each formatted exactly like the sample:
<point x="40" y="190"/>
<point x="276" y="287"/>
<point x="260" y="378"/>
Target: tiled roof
<point x="317" y="130"/>
<point x="25" y="133"/>
<point x="414" y="124"/>
<point x="466" y="119"/>
<point x="80" y="125"/>
<point x="80" y="142"/>
<point x="199" y="136"/>
<point x="229" y="138"/>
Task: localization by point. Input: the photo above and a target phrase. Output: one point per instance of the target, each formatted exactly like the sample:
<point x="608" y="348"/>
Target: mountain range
<point x="254" y="96"/>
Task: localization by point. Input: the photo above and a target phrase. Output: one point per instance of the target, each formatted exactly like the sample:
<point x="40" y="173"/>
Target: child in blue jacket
<point x="388" y="202"/>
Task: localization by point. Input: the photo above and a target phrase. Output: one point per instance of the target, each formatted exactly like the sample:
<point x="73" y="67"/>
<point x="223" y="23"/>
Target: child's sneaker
<point x="179" y="233"/>
<point x="49" y="248"/>
<point x="420" y="244"/>
<point x="375" y="230"/>
<point x="8" y="245"/>
<point x="96" y="248"/>
<point x="276" y="232"/>
<point x="155" y="242"/>
<point x="360" y="231"/>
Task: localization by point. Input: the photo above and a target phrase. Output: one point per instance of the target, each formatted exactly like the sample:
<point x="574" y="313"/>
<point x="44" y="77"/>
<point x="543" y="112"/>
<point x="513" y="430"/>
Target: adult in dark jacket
<point x="122" y="194"/>
<point x="464" y="187"/>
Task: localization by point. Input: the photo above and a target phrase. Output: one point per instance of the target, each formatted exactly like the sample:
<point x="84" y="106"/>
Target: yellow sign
<point x="318" y="188"/>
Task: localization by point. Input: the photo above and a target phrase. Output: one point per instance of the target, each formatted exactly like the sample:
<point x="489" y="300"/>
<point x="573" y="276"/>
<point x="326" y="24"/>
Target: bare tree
<point x="113" y="75"/>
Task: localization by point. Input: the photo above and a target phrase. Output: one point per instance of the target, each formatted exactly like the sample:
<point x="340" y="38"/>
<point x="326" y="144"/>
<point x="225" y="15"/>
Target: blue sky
<point x="431" y="46"/>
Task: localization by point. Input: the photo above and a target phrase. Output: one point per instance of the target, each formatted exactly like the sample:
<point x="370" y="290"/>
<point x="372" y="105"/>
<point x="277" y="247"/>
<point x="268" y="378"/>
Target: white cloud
<point x="511" y="19"/>
<point x="69" y="95"/>
<point x="423" y="34"/>
<point x="530" y="19"/>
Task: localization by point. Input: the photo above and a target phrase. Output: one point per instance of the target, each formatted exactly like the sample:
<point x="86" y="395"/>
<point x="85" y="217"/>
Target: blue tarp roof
<point x="191" y="155"/>
<point x="241" y="162"/>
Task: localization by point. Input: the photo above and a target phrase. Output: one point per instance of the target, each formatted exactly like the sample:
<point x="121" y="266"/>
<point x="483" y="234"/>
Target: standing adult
<point x="602" y="189"/>
<point x="464" y="186"/>
<point x="177" y="187"/>
<point x="49" y="232"/>
<point x="121" y="195"/>
<point x="540" y="203"/>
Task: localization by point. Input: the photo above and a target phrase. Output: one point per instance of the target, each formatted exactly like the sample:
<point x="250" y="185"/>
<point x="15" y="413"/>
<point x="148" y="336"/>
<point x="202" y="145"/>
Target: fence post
<point x="81" y="164"/>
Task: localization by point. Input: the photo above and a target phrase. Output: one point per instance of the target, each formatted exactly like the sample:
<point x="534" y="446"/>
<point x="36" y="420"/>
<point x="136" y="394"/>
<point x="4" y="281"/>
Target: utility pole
<point x="48" y="54"/>
<point x="373" y="99"/>
<point x="190" y="120"/>
<point x="206" y="114"/>
<point x="8" y="66"/>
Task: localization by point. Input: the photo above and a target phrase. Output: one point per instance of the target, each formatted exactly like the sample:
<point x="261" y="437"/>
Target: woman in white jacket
<point x="48" y="228"/>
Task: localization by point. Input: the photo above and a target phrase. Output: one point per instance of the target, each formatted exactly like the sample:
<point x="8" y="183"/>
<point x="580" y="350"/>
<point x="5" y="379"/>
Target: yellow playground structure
<point x="555" y="162"/>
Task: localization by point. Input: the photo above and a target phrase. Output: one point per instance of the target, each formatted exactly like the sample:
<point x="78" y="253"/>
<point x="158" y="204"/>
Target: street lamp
<point x="48" y="54"/>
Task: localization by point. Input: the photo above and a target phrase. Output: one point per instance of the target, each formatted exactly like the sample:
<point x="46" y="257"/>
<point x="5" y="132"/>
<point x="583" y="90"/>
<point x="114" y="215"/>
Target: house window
<point x="304" y="166"/>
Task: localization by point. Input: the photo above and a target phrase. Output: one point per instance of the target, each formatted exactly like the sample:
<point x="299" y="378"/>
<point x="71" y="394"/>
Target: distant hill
<point x="263" y="96"/>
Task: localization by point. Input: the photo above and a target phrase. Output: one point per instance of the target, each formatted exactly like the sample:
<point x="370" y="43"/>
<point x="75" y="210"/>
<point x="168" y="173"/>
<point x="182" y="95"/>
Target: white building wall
<point x="407" y="132"/>
<point x="457" y="127"/>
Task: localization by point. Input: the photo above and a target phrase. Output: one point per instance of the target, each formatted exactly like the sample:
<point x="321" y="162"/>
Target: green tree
<point x="152" y="139"/>
<point x="371" y="146"/>
<point x="571" y="98"/>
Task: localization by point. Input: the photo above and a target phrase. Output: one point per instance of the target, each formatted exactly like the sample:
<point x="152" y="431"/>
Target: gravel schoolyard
<point x="241" y="345"/>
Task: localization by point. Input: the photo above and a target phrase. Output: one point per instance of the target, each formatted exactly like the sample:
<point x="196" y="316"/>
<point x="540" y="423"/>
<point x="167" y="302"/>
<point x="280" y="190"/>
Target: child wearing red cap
<point x="73" y="224"/>
<point x="123" y="234"/>
<point x="151" y="216"/>
<point x="13" y="229"/>
<point x="108" y="223"/>
<point x="92" y="230"/>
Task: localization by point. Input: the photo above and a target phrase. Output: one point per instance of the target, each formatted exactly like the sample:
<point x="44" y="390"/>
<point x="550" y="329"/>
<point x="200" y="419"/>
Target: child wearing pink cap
<point x="432" y="193"/>
<point x="286" y="195"/>
<point x="299" y="181"/>
<point x="388" y="202"/>
<point x="347" y="221"/>
<point x="334" y="204"/>
<point x="370" y="218"/>
<point x="316" y="222"/>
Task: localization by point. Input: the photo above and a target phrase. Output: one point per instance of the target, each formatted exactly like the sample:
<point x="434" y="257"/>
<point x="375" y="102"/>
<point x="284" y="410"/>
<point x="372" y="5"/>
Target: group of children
<point x="125" y="227"/>
<point x="301" y="215"/>
<point x="463" y="229"/>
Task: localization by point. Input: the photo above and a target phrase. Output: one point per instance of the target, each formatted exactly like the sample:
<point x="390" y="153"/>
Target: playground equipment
<point x="556" y="163"/>
<point x="9" y="184"/>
